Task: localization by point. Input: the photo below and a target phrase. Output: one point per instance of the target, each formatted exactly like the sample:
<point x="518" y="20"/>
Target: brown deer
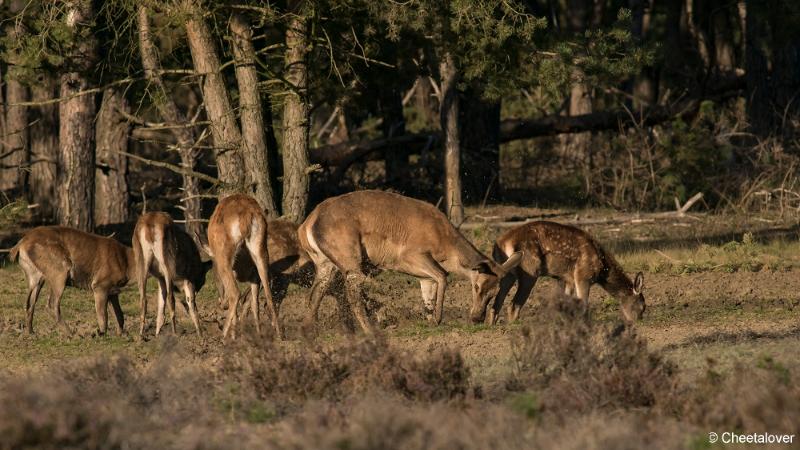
<point x="568" y="254"/>
<point x="163" y="249"/>
<point x="365" y="230"/>
<point x="288" y="262"/>
<point x="60" y="255"/>
<point x="239" y="225"/>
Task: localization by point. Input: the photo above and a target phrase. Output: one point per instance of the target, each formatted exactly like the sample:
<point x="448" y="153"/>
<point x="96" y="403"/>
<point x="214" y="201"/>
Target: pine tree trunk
<point x="759" y="109"/>
<point x="76" y="128"/>
<point x="480" y="136"/>
<point x="111" y="184"/>
<point x="449" y="111"/>
<point x="575" y="147"/>
<point x="15" y="137"/>
<point x="644" y="84"/>
<point x="296" y="121"/>
<point x="254" y="142"/>
<point x="169" y="112"/>
<point x="227" y="137"/>
<point x="44" y="148"/>
<point x="724" y="51"/>
<point x="12" y="175"/>
<point x="393" y="125"/>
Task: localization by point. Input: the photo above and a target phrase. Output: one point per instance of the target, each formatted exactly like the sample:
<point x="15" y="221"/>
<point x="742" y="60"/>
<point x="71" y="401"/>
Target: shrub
<point x="579" y="365"/>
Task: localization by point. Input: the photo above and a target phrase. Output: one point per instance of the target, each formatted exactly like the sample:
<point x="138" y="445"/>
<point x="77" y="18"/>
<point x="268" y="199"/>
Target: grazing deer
<point x="374" y="229"/>
<point x="238" y="224"/>
<point x="572" y="256"/>
<point x="61" y="255"/>
<point x="163" y="249"/>
<point x="288" y="262"/>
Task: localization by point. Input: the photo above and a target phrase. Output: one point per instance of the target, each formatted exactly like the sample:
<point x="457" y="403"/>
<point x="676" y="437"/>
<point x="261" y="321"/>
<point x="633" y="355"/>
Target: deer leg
<point x="114" y="299"/>
<point x="428" y="288"/>
<point x="425" y="267"/>
<point x="524" y="288"/>
<point x="254" y="287"/>
<point x="322" y="280"/>
<point x="172" y="307"/>
<point x="353" y="284"/>
<point x="57" y="286"/>
<point x="582" y="292"/>
<point x="162" y="301"/>
<point x="506" y="283"/>
<point x="101" y="309"/>
<point x="225" y="276"/>
<point x="260" y="256"/>
<point x="35" y="282"/>
<point x="188" y="292"/>
<point x="141" y="279"/>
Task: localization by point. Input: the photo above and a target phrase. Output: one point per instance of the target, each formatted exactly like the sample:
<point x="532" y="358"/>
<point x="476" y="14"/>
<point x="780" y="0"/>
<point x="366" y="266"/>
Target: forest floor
<point x="722" y="294"/>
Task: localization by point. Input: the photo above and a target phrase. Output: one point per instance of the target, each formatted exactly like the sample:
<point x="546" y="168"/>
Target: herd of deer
<point x="352" y="234"/>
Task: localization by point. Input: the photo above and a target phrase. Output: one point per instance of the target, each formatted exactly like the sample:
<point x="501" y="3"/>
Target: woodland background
<point x="109" y="106"/>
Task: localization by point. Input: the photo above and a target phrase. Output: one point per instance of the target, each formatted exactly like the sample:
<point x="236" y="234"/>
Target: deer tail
<point x="12" y="254"/>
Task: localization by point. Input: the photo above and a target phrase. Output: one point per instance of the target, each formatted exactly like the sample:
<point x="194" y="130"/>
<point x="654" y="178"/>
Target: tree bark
<point x="15" y="136"/>
<point x="575" y="148"/>
<point x="759" y="110"/>
<point x="184" y="136"/>
<point x="227" y="137"/>
<point x="480" y="145"/>
<point x="254" y="143"/>
<point x="76" y="128"/>
<point x="724" y="51"/>
<point x="12" y="174"/>
<point x="44" y="148"/>
<point x="296" y="121"/>
<point x="644" y="84"/>
<point x="454" y="206"/>
<point x="111" y="183"/>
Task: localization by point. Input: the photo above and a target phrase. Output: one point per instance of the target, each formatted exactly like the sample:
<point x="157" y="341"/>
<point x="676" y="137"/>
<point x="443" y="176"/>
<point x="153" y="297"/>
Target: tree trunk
<point x="76" y="128"/>
<point x="759" y="109"/>
<point x="15" y="136"/>
<point x="12" y="174"/>
<point x="575" y="148"/>
<point x="44" y="148"/>
<point x="111" y="188"/>
<point x="394" y="124"/>
<point x="227" y="137"/>
<point x="644" y="84"/>
<point x="296" y="121"/>
<point x="480" y="136"/>
<point x="449" y="112"/>
<point x="425" y="102"/>
<point x="169" y="112"/>
<point x="254" y="143"/>
<point x="724" y="50"/>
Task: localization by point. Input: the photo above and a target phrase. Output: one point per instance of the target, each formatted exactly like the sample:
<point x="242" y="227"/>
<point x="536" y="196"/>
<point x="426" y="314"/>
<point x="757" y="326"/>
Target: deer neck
<point x="616" y="282"/>
<point x="463" y="257"/>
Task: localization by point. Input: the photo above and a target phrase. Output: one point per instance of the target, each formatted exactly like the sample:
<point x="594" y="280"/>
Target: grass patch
<point x="744" y="255"/>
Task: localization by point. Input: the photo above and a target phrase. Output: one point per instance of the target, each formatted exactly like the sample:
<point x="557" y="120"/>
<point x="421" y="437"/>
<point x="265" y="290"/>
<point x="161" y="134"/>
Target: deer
<point x="238" y="227"/>
<point x="288" y="262"/>
<point x="162" y="249"/>
<point x="61" y="255"/>
<point x="568" y="254"/>
<point x="362" y="231"/>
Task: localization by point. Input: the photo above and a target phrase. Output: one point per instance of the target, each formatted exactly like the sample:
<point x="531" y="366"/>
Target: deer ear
<point x="484" y="267"/>
<point x="638" y="283"/>
<point x="512" y="261"/>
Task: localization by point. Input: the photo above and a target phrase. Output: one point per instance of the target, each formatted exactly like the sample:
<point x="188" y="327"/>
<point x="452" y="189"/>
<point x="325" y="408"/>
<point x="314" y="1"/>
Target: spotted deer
<point x="568" y="254"/>
<point x="60" y="256"/>
<point x="238" y="225"/>
<point x="163" y="249"/>
<point x="364" y="230"/>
